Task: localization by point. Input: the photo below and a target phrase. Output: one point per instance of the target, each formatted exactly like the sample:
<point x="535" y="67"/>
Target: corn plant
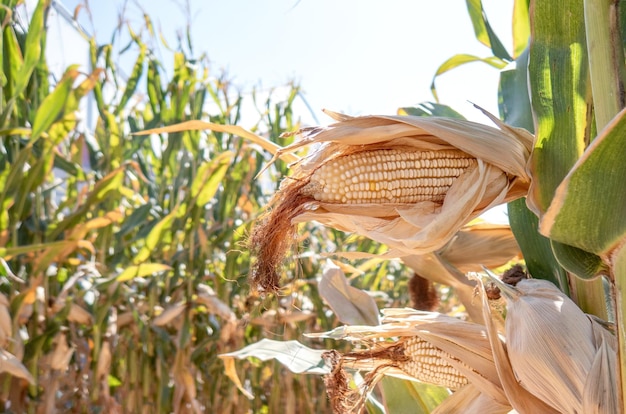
<point x="564" y="334"/>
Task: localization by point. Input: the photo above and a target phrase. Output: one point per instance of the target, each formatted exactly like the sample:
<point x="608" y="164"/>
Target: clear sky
<point x="354" y="56"/>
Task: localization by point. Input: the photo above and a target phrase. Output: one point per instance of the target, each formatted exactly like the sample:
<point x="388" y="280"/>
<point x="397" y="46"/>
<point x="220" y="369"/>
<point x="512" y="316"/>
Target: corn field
<point x="173" y="259"/>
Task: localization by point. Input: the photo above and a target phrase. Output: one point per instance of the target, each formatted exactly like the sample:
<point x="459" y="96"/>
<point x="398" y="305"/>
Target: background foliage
<point x="123" y="257"/>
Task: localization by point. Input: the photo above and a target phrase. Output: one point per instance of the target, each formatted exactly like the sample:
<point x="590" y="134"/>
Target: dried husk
<point x="470" y="399"/>
<point x="557" y="352"/>
<point x="474" y="246"/>
<point x="518" y="397"/>
<point x="410" y="228"/>
<point x="466" y="343"/>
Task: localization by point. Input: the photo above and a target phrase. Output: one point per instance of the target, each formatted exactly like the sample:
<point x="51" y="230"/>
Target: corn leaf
<point x="462" y="59"/>
<point x="264" y="143"/>
<point x="142" y="270"/>
<point x="606" y="59"/>
<point x="154" y="237"/>
<point x="54" y="104"/>
<point x="483" y="31"/>
<point x="133" y="80"/>
<point x="351" y="305"/>
<point x="588" y="208"/>
<point x="298" y="358"/>
<point x="430" y="109"/>
<point x="521" y="27"/>
<point x="403" y="396"/>
<point x="33" y="42"/>
<point x="514" y="101"/>
<point x="209" y="177"/>
<point x="536" y="248"/>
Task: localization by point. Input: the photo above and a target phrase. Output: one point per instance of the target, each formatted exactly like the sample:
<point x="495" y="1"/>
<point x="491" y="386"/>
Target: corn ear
<point x="423" y="346"/>
<point x="408" y="182"/>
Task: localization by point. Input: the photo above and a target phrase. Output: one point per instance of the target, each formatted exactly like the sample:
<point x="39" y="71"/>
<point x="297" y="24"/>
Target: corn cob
<point x="428" y="363"/>
<point x="388" y="176"/>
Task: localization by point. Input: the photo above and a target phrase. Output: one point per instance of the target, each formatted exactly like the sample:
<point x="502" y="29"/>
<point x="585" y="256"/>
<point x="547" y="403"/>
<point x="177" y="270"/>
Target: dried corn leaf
<point x="470" y="400"/>
<point x="6" y="324"/>
<point x="62" y="353"/>
<point x="79" y="315"/>
<point x="11" y="365"/>
<point x="351" y="305"/>
<point x="170" y="314"/>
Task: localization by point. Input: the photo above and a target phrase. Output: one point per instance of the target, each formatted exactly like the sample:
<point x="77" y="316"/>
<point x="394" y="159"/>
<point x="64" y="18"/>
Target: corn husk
<point x="471" y="248"/>
<point x="498" y="176"/>
<point x="465" y="346"/>
<point x="557" y="353"/>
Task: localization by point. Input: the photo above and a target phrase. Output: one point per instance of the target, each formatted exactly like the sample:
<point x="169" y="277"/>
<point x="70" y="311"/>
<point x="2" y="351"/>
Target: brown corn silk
<point x="410" y="215"/>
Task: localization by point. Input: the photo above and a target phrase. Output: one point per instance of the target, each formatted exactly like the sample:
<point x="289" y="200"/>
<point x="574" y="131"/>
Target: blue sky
<point x="355" y="56"/>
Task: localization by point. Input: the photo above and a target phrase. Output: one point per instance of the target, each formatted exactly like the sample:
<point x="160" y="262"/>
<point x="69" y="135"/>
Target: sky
<point x="359" y="57"/>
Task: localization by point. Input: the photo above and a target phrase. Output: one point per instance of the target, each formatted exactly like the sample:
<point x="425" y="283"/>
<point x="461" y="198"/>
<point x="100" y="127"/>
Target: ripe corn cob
<point x="425" y="362"/>
<point x="388" y="176"/>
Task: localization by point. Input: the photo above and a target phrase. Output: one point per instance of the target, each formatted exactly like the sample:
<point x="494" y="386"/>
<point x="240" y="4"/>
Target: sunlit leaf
<point x="483" y="31"/>
<point x="521" y="27"/>
<point x="209" y="177"/>
<point x="142" y="270"/>
<point x="589" y="205"/>
<point x="154" y="237"/>
<point x="264" y="143"/>
<point x="462" y="59"/>
<point x="133" y="80"/>
<point x="54" y="103"/>
<point x="32" y="54"/>
<point x="403" y="396"/>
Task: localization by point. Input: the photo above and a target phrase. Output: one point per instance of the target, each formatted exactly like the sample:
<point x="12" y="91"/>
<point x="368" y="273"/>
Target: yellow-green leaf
<point x="142" y="270"/>
<point x="154" y="237"/>
<point x="589" y="208"/>
<point x="209" y="177"/>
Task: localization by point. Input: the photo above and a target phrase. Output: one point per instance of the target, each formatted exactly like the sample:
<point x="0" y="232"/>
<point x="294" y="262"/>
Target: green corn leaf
<point x="133" y="80"/>
<point x="109" y="183"/>
<point x="54" y="104"/>
<point x="563" y="109"/>
<point x="514" y="101"/>
<point x="462" y="59"/>
<point x="577" y="261"/>
<point x="606" y="59"/>
<point x="483" y="31"/>
<point x="430" y="109"/>
<point x="33" y="46"/>
<point x="588" y="210"/>
<point x="208" y="178"/>
<point x="521" y="27"/>
<point x="515" y="110"/>
<point x="154" y="238"/>
<point x="403" y="396"/>
<point x="536" y="248"/>
<point x="141" y="270"/>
